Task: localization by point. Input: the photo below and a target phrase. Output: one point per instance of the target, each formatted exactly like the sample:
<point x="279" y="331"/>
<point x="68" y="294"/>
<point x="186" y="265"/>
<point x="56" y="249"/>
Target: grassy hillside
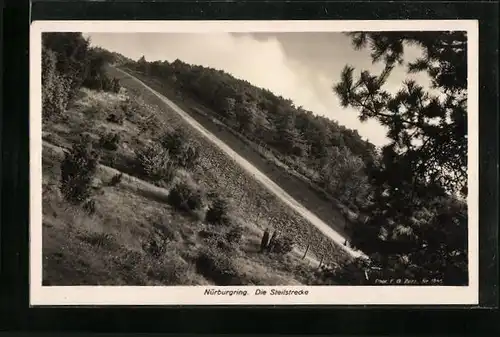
<point x="108" y="246"/>
<point x="140" y="228"/>
<point x="330" y="158"/>
<point x="302" y="189"/>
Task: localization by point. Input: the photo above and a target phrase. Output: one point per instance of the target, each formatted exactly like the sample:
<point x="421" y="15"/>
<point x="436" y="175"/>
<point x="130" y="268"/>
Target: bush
<point x="110" y="141"/>
<point x="117" y="178"/>
<point x="78" y="170"/>
<point x="54" y="87"/>
<point x="155" y="163"/>
<point x="73" y="55"/>
<point x="185" y="197"/>
<point x="90" y="206"/>
<point x="96" y="78"/>
<point x="282" y="245"/>
<point x="115" y="117"/>
<point x="99" y="239"/>
<point x="174" y="141"/>
<point x="189" y="157"/>
<point x="156" y="244"/>
<point x="218" y="212"/>
<point x="169" y="270"/>
<point x="217" y="266"/>
<point x="130" y="108"/>
<point x="234" y="235"/>
<point x="354" y="272"/>
<point x="185" y="154"/>
<point x="98" y="82"/>
<point x="115" y="85"/>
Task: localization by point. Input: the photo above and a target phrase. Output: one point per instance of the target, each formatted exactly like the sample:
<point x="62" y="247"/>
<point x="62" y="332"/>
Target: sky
<point x="299" y="66"/>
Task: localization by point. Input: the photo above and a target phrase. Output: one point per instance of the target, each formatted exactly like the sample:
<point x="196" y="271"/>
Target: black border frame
<point x="15" y="313"/>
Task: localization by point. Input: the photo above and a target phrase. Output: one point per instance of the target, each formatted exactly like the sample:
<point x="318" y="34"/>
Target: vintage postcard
<point x="254" y="162"/>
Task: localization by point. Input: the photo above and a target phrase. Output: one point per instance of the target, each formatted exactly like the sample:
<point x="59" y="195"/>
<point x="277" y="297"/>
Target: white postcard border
<point x="195" y="295"/>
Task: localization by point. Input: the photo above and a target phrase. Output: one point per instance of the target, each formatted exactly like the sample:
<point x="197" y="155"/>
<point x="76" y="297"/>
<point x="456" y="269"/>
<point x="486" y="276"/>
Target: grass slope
<point x="108" y="247"/>
<point x="302" y="189"/>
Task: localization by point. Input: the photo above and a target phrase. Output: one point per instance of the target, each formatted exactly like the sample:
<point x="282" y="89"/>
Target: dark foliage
<point x="180" y="149"/>
<point x="78" y="170"/>
<point x="418" y="223"/>
<point x="217" y="213"/>
<point x="68" y="63"/>
<point x="110" y="141"/>
<point x="116" y="117"/>
<point x="155" y="164"/>
<point x="215" y="265"/>
<point x="116" y="179"/>
<point x="90" y="206"/>
<point x="234" y="235"/>
<point x="96" y="78"/>
<point x="72" y="56"/>
<point x="55" y="87"/>
<point x="281" y="245"/>
<point x="185" y="197"/>
<point x="156" y="245"/>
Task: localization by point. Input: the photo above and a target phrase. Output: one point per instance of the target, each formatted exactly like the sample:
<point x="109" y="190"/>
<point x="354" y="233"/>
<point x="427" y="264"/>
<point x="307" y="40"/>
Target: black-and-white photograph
<point x="279" y="160"/>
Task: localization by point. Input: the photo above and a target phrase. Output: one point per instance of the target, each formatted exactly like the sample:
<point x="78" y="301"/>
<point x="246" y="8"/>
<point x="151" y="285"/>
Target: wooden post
<point x="265" y="241"/>
<point x="305" y="253"/>
<point x="321" y="261"/>
<point x="273" y="238"/>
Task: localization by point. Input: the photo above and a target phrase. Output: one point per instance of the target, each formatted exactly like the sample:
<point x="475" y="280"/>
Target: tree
<point x="424" y="166"/>
<point x="343" y="174"/>
<point x="288" y="138"/>
<point x="143" y="65"/>
<point x="245" y="117"/>
<point x="78" y="170"/>
<point x="72" y="57"/>
<point x="54" y="87"/>
<point x="430" y="131"/>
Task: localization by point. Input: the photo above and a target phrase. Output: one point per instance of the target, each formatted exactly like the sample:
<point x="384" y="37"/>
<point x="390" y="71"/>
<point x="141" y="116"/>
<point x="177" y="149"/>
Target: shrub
<point x="55" y="87"/>
<point x="165" y="229"/>
<point x="217" y="240"/>
<point x="94" y="111"/>
<point x="282" y="245"/>
<point x="174" y="141"/>
<point x="217" y="266"/>
<point x="185" y="197"/>
<point x="218" y="212"/>
<point x="169" y="270"/>
<point x="156" y="244"/>
<point x="354" y="272"/>
<point x="99" y="239"/>
<point x="96" y="82"/>
<point x="115" y="117"/>
<point x="115" y="85"/>
<point x="90" y="206"/>
<point x="73" y="56"/>
<point x="116" y="179"/>
<point x="155" y="163"/>
<point x="189" y="157"/>
<point x="131" y="109"/>
<point x="234" y="235"/>
<point x="109" y="141"/>
<point x="78" y="170"/>
<point x="186" y="155"/>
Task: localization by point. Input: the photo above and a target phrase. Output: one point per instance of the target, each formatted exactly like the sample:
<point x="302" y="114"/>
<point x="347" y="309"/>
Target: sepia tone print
<point x="264" y="159"/>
